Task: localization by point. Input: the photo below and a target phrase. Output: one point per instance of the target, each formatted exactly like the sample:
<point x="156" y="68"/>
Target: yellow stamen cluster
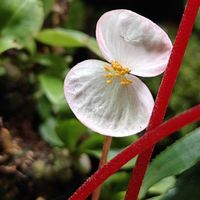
<point x="116" y="70"/>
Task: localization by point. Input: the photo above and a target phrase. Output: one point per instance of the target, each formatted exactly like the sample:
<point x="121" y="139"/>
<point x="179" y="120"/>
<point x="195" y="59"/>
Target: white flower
<point x="107" y="96"/>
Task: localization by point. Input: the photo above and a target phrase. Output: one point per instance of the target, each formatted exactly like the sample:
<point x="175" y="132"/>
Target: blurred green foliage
<point x="17" y="24"/>
<point x="37" y="49"/>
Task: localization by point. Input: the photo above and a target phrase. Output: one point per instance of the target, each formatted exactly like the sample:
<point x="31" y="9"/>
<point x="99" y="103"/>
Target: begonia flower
<point x="107" y="96"/>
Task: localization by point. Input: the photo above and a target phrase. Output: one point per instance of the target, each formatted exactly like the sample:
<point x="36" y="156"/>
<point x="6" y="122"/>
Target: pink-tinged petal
<point x="134" y="41"/>
<point x="109" y="109"/>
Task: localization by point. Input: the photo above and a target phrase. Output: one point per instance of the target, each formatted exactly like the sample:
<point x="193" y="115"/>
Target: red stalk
<point x="145" y="142"/>
<point x="164" y="93"/>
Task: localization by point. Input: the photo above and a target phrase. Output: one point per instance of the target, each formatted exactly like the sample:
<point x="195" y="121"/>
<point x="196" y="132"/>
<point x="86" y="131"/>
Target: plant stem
<point x="106" y="147"/>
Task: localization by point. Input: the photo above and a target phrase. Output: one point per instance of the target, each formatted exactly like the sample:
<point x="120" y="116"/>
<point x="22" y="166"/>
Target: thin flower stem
<point x="145" y="142"/>
<point x="103" y="160"/>
<point x="164" y="93"/>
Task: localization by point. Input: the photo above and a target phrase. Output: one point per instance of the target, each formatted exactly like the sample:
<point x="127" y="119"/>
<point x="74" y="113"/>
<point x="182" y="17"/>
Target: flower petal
<point x="134" y="41"/>
<point x="109" y="109"/>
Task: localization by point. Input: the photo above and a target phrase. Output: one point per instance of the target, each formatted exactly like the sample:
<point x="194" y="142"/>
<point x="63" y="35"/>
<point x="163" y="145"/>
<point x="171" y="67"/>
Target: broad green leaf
<point x="20" y="21"/>
<point x="68" y="38"/>
<point x="8" y="43"/>
<point x="48" y="133"/>
<point x="70" y="132"/>
<point x="53" y="88"/>
<point x="187" y="187"/>
<point x="62" y="37"/>
<point x="175" y="159"/>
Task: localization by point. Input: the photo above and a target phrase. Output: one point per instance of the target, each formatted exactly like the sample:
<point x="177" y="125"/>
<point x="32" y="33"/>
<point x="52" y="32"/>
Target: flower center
<point x="117" y="71"/>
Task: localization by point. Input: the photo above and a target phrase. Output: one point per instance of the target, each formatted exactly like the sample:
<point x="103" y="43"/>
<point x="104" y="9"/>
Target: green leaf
<point x="70" y="132"/>
<point x="8" y="43"/>
<point x="48" y="133"/>
<point x="175" y="159"/>
<point x="53" y="88"/>
<point x="20" y="20"/>
<point x="62" y="37"/>
<point x="187" y="187"/>
<point x="68" y="38"/>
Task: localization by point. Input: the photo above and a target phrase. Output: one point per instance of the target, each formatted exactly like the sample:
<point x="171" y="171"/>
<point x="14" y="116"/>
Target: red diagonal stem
<point x="164" y="93"/>
<point x="138" y="147"/>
